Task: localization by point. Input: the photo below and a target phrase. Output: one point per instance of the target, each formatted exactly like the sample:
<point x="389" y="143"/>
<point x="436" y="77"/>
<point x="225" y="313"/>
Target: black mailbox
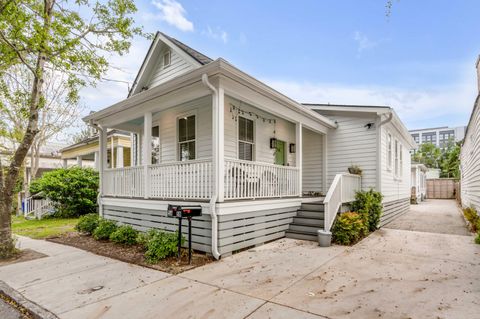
<point x="187" y="212"/>
<point x="184" y="211"/>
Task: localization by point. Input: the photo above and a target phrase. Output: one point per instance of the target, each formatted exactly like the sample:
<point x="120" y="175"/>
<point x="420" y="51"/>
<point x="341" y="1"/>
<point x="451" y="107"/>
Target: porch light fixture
<point x="273" y="142"/>
<point x="292" y="148"/>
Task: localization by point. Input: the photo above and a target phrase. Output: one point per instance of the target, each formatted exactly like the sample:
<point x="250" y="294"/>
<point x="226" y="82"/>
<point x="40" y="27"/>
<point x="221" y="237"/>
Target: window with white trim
<point x="186" y="138"/>
<point x="401" y="160"/>
<point x="246" y="141"/>
<point x="167" y="59"/>
<point x="389" y="151"/>
<point x="396" y="158"/>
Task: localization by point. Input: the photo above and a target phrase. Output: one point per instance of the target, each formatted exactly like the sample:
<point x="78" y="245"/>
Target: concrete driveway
<point x="394" y="273"/>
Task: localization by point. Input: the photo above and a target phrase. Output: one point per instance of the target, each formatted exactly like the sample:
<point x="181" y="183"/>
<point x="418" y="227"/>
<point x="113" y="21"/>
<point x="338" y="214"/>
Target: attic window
<point x="166" y="59"/>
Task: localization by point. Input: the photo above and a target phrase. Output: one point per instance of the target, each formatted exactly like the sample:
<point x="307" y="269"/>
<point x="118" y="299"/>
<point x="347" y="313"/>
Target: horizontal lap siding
<point x="352" y="143"/>
<point x="393" y="188"/>
<point x="177" y="67"/>
<point x="284" y="131"/>
<point x="394" y="209"/>
<point x="167" y="122"/>
<point x="145" y="219"/>
<point x="312" y="161"/>
<point x="238" y="231"/>
<point x="470" y="162"/>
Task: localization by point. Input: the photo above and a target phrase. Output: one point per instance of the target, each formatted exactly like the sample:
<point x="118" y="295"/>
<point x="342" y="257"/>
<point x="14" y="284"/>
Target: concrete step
<point x="310" y="214"/>
<point x="315" y="206"/>
<point x="302" y="228"/>
<point x="317" y="222"/>
<point x="300" y="235"/>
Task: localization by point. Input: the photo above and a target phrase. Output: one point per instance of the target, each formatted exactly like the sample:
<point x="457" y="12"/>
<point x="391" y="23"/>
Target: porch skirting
<point x="394" y="209"/>
<point x="240" y="226"/>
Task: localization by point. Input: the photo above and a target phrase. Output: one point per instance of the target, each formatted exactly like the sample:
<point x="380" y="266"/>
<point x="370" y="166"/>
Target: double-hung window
<point x="389" y="151"/>
<point x="396" y="158"/>
<point x="186" y="138"/>
<point x="246" y="141"/>
<point x="401" y="159"/>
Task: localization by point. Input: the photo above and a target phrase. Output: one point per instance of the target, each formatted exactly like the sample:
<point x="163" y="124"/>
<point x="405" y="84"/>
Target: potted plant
<point x="355" y="169"/>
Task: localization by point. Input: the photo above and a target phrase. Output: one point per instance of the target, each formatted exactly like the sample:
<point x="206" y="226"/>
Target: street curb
<point x="35" y="310"/>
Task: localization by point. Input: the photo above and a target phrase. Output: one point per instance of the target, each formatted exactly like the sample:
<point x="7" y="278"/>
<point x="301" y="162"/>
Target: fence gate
<point x="442" y="188"/>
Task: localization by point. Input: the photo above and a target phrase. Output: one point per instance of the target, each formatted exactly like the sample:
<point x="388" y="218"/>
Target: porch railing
<point x="342" y="190"/>
<point x="250" y="180"/>
<point x="124" y="182"/>
<point x="182" y="180"/>
<point x="37" y="208"/>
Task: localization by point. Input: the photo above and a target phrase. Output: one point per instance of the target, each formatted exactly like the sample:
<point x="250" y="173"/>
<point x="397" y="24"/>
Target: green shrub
<point x="104" y="229"/>
<point x="477" y="239"/>
<point x="159" y="245"/>
<point x="73" y="190"/>
<point x="87" y="223"/>
<point x="124" y="235"/>
<point x="369" y="205"/>
<point x="472" y="217"/>
<point x="349" y="228"/>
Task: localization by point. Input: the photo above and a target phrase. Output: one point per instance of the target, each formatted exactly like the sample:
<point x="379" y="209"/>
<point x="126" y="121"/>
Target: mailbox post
<point x="187" y="212"/>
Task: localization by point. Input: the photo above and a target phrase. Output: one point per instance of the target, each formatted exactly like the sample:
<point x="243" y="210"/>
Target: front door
<point x="280" y="153"/>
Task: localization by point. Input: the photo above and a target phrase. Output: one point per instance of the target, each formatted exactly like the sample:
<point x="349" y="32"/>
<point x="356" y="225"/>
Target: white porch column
<point x="64" y="163"/>
<point x="218" y="138"/>
<point x="102" y="160"/>
<point x="299" y="155"/>
<point x="147" y="149"/>
<point x="96" y="160"/>
<point x="324" y="164"/>
<point x="119" y="163"/>
<point x="79" y="161"/>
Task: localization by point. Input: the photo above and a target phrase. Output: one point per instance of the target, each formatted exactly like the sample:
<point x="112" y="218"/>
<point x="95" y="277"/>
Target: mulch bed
<point x="21" y="256"/>
<point x="132" y="254"/>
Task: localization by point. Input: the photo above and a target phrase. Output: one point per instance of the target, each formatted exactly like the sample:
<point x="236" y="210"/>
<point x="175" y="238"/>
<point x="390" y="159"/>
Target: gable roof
<point x="199" y="57"/>
<point x="195" y="58"/>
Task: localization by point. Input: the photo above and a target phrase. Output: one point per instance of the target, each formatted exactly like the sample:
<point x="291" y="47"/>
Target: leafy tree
<point x="71" y="37"/>
<point x="450" y="163"/>
<point x="73" y="190"/>
<point x="428" y="154"/>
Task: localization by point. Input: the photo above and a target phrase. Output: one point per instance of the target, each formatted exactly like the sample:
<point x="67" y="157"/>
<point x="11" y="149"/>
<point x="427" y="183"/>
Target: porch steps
<point x="309" y="219"/>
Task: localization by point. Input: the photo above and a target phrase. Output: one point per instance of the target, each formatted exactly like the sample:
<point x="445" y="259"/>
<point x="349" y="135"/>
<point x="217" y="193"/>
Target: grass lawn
<point x="44" y="228"/>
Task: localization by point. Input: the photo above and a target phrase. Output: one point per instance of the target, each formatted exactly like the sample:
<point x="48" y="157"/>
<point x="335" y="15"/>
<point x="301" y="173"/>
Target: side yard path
<point x="394" y="273"/>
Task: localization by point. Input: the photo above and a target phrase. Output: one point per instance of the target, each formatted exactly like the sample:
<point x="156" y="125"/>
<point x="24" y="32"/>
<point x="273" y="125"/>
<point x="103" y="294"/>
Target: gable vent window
<point x="245" y="139"/>
<point x="167" y="59"/>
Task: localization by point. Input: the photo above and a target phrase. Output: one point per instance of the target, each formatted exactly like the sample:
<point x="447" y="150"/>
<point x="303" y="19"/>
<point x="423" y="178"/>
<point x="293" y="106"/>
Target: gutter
<point x="379" y="147"/>
<point x="213" y="200"/>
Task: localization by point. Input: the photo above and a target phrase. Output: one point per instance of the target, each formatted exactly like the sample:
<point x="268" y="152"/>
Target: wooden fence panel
<point x="442" y="188"/>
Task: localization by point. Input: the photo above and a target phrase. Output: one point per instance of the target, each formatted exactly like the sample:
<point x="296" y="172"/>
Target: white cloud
<point x="173" y="13"/>
<point x="363" y="42"/>
<point x="217" y="34"/>
<point x="414" y="107"/>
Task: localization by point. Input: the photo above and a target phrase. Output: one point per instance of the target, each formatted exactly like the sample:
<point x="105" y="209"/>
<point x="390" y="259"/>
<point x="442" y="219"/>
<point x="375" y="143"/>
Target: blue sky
<point x="420" y="60"/>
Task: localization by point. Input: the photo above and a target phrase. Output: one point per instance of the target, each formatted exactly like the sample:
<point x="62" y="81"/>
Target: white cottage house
<point x="419" y="182"/>
<point x="261" y="165"/>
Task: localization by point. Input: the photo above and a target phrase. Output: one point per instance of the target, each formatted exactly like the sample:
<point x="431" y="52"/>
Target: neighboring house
<point x="261" y="165"/>
<point x="439" y="136"/>
<point x="470" y="156"/>
<point x="419" y="182"/>
<point x="375" y="139"/>
<point x="85" y="153"/>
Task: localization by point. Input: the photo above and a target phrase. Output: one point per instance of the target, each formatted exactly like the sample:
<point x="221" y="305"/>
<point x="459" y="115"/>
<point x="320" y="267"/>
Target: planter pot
<point x="324" y="238"/>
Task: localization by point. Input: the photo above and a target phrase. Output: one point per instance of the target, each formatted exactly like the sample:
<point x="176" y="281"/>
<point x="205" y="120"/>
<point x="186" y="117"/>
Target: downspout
<point x="100" y="168"/>
<point x="379" y="147"/>
<point x="213" y="200"/>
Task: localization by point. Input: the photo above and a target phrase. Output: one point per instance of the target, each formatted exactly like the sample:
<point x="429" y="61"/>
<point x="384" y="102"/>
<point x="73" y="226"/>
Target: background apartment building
<point x="438" y="135"/>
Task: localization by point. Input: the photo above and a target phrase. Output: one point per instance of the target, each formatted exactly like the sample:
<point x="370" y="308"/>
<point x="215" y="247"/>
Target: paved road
<point x="393" y="273"/>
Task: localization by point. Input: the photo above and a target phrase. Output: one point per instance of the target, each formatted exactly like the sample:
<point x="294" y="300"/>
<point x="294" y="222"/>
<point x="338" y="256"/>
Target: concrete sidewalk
<point x="393" y="273"/>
